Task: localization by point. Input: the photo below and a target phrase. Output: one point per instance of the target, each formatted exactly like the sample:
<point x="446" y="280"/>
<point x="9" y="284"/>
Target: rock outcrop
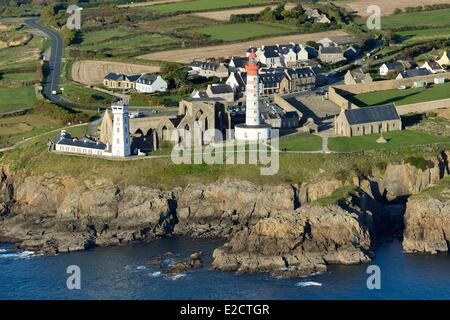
<point x="427" y="225"/>
<point x="299" y="242"/>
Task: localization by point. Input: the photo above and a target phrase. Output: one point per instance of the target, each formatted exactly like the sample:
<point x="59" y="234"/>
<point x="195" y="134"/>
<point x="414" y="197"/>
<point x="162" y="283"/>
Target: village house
<point x="352" y="52"/>
<point x="357" y="76"/>
<point x="444" y="60"/>
<point x="120" y="81"/>
<point x="65" y="143"/>
<point x="387" y="68"/>
<point x="149" y="83"/>
<point x="331" y="55"/>
<point x="270" y="56"/>
<point x="367" y="120"/>
<point x="433" y="67"/>
<point x="223" y="91"/>
<point x="270" y="81"/>
<point x="298" y="80"/>
<point x="209" y="69"/>
<point x="237" y="81"/>
<point x="412" y="73"/>
<point x="237" y="64"/>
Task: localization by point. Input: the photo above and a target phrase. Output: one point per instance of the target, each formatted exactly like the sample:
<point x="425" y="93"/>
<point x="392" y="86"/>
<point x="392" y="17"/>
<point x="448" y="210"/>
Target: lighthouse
<point x="253" y="129"/>
<point x="121" y="130"/>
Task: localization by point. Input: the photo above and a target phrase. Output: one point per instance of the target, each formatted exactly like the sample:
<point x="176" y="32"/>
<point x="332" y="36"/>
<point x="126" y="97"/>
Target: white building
<point x="149" y="83"/>
<point x="390" y="67"/>
<point x="65" y="143"/>
<point x="433" y="67"/>
<point x="253" y="129"/>
<point x="121" y="130"/>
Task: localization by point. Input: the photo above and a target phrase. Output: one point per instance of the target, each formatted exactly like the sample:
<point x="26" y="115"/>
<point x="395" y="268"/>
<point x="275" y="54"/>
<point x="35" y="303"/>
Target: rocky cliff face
<point x="427" y="226"/>
<point x="299" y="242"/>
<point x="269" y="228"/>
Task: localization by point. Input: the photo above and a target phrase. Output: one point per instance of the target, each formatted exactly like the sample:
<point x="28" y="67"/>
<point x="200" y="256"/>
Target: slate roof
<point x="300" y="72"/>
<point x="147" y="78"/>
<point x="414" y="73"/>
<point x="67" y="140"/>
<point x="221" y="88"/>
<point x="121" y="77"/>
<point x="205" y="65"/>
<point x="371" y="114"/>
<point x="331" y="50"/>
<point x="393" y="65"/>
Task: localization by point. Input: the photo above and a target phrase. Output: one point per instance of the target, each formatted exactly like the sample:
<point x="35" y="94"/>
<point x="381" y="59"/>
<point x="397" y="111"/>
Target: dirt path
<point x="148" y="3"/>
<point x="224" y="15"/>
<point x="387" y="7"/>
<point x="92" y="72"/>
<point x="234" y="49"/>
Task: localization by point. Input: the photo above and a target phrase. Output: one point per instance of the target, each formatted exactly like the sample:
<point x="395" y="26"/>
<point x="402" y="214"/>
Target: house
<point x="270" y="56"/>
<point x="444" y="60"/>
<point x="326" y="42"/>
<point x="367" y="120"/>
<point x="433" y="67"/>
<point x="237" y="64"/>
<point x="420" y="84"/>
<point x="64" y="142"/>
<point x="352" y="52"/>
<point x="270" y="81"/>
<point x="323" y="19"/>
<point x="312" y="13"/>
<point x="237" y="81"/>
<point x="223" y="91"/>
<point x="357" y="76"/>
<point x="209" y="69"/>
<point x="439" y="80"/>
<point x="331" y="54"/>
<point x="412" y="73"/>
<point x="120" y="81"/>
<point x="149" y="83"/>
<point x="298" y="79"/>
<point x="390" y="67"/>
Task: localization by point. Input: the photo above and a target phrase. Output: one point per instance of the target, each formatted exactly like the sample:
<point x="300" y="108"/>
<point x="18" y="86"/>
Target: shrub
<point x="420" y="163"/>
<point x="58" y="113"/>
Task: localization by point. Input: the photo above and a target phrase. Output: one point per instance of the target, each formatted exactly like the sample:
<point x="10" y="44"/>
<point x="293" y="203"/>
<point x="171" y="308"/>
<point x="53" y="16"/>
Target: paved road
<point x="51" y="81"/>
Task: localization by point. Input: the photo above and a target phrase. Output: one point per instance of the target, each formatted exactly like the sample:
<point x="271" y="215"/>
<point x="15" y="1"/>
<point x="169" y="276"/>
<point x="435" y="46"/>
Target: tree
<point x="68" y="36"/>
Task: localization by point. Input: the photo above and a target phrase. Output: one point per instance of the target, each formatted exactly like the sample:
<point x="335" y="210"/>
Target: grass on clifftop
<point x="440" y="191"/>
<point x="33" y="159"/>
<point x="340" y="194"/>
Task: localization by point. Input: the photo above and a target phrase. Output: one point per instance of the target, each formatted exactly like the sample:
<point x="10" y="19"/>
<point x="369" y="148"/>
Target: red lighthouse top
<point x="252" y="66"/>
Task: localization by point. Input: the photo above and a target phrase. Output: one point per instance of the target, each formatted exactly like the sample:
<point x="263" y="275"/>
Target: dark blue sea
<point x="127" y="273"/>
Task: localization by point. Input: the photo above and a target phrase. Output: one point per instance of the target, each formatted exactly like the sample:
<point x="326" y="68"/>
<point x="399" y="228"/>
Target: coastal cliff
<point x="286" y="228"/>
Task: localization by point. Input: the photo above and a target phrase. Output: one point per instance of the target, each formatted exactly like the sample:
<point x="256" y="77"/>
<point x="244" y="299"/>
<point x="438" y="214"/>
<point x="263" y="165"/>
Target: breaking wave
<point x="308" y="284"/>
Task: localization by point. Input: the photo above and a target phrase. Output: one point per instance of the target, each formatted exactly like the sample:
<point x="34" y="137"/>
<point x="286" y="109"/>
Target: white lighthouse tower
<point x="121" y="130"/>
<point x="253" y="129"/>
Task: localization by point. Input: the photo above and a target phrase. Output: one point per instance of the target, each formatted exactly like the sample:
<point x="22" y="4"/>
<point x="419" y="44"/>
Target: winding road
<point x="51" y="79"/>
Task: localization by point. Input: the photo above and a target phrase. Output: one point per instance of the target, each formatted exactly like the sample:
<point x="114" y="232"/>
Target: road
<point x="51" y="80"/>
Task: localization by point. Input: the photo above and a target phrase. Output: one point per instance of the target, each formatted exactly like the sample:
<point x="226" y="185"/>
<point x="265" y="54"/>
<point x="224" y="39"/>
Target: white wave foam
<point x="141" y="267"/>
<point x="308" y="284"/>
<point x="155" y="274"/>
<point x="312" y="274"/>
<point x="19" y="255"/>
<point x="178" y="276"/>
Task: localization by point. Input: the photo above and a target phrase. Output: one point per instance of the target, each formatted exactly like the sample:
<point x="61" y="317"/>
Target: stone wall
<point x="285" y="105"/>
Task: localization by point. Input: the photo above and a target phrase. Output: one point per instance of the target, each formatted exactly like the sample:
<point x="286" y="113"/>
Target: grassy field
<point x="203" y="5"/>
<point x="412" y="36"/>
<point x="16" y="98"/>
<point x="301" y="143"/>
<point x="435" y="18"/>
<point x="241" y="31"/>
<point x="86" y="96"/>
<point x="402" y="97"/>
<point x="14" y="129"/>
<point x="396" y="139"/>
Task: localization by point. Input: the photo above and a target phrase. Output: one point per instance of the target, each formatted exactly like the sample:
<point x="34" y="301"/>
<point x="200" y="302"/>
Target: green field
<point x="16" y="98"/>
<point x="301" y="143"/>
<point x="396" y="139"/>
<point x="85" y="96"/>
<point x="241" y="31"/>
<point x="402" y="97"/>
<point x="434" y="18"/>
<point x="412" y="36"/>
<point x="204" y="5"/>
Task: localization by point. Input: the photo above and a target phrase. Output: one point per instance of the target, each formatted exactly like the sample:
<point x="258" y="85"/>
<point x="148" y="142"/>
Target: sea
<point x="127" y="272"/>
